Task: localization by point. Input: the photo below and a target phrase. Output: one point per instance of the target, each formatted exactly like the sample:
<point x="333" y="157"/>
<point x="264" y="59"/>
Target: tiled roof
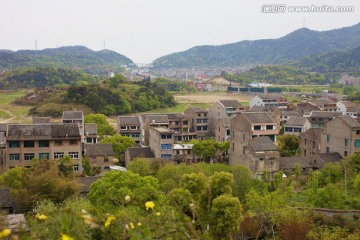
<point x="86" y="182"/>
<point x="348" y="104"/>
<point x="175" y="115"/>
<point x="290" y="162"/>
<point x="53" y="130"/>
<point x="91" y="128"/>
<point x="296" y="121"/>
<point x="162" y="129"/>
<point x="41" y="119"/>
<point x="128" y="120"/>
<point x="257" y="117"/>
<point x="313" y="131"/>
<point x="97" y="149"/>
<point x="270" y="96"/>
<point x="230" y="103"/>
<point x="140" y="152"/>
<point x="72" y="115"/>
<point x="262" y="144"/>
<point x="324" y="158"/>
<point x="322" y="101"/>
<point x="351" y="122"/>
<point x="3" y="127"/>
<point x="289" y="114"/>
<point x="260" y="109"/>
<point x="198" y="110"/>
<point x="325" y="114"/>
<point x="158" y="118"/>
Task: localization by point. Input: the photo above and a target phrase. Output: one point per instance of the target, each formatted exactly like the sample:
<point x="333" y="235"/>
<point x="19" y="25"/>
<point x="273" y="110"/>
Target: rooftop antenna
<point x="35" y="44"/>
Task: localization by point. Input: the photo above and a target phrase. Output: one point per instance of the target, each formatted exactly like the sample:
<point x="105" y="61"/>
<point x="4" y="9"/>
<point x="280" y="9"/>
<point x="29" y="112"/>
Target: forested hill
<point x="295" y="45"/>
<point x="338" y="61"/>
<point x="75" y="57"/>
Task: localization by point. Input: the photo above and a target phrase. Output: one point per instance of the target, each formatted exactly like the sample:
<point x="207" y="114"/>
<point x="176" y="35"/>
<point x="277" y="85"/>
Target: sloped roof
<point x="348" y="104"/>
<point x="86" y="182"/>
<point x="97" y="149"/>
<point x="257" y="117"/>
<point x="351" y="122"/>
<point x="296" y="121"/>
<point x="290" y="162"/>
<point x="322" y="101"/>
<point x="314" y="131"/>
<point x="230" y="103"/>
<point x="262" y="144"/>
<point x="269" y="96"/>
<point x="140" y="152"/>
<point x="197" y="110"/>
<point x="128" y="120"/>
<point x="3" y="127"/>
<point x="260" y="109"/>
<point x="175" y="115"/>
<point x="158" y="118"/>
<point x="289" y="114"/>
<point x="41" y="120"/>
<point x="91" y="128"/>
<point x="324" y="158"/>
<point x="324" y="114"/>
<point x="52" y="130"/>
<point x="72" y="115"/>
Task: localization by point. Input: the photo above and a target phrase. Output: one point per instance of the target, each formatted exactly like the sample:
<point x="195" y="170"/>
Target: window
<point x="198" y="120"/>
<point x="14" y="157"/>
<point x="198" y="128"/>
<point x="243" y="136"/>
<point x="305" y="141"/>
<point x="133" y="127"/>
<point x="106" y="159"/>
<point x="14" y="144"/>
<point x="345" y="153"/>
<point x="346" y="142"/>
<point x="233" y="135"/>
<point x="205" y="120"/>
<point x="29" y="144"/>
<point x="166" y="155"/>
<point x="176" y="130"/>
<point x="257" y="127"/>
<point x="205" y="128"/>
<point x="327" y="150"/>
<point x="297" y="129"/>
<point x="43" y="143"/>
<point x="358" y="132"/>
<point x="58" y="155"/>
<point x="135" y="135"/>
<point x="177" y="122"/>
<point x="186" y="122"/>
<point x="28" y="156"/>
<point x="74" y="155"/>
<point x="44" y="156"/>
<point x="288" y="129"/>
<point x="269" y="127"/>
<point x="328" y="138"/>
<point x="123" y="127"/>
<point x="76" y="167"/>
<point x="58" y="142"/>
<point x="73" y="141"/>
<point x="165" y="146"/>
<point x="304" y="152"/>
<point x="165" y="136"/>
<point x="199" y="115"/>
<point x="205" y="114"/>
<point x="357" y="143"/>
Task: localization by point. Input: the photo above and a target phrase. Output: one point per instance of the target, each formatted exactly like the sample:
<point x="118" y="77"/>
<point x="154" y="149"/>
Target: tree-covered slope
<point x="293" y="46"/>
<point x="76" y="57"/>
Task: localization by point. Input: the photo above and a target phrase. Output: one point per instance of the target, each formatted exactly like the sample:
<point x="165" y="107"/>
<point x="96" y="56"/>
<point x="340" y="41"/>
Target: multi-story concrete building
<point x="341" y="135"/>
<point x="153" y="121"/>
<point x="325" y="104"/>
<point x="91" y="134"/>
<point x="43" y="141"/>
<point x="161" y="142"/>
<point x="222" y="131"/>
<point x="318" y="119"/>
<point x="223" y="109"/>
<point x="130" y="126"/>
<point x="2" y="152"/>
<point x="181" y="127"/>
<point x="75" y="117"/>
<point x="306" y="108"/>
<point x="199" y="121"/>
<point x="137" y="152"/>
<point x="269" y="101"/>
<point x="348" y="108"/>
<point x="262" y="156"/>
<point x="246" y="126"/>
<point x="310" y="142"/>
<point x="183" y="153"/>
<point x="100" y="156"/>
<point x="296" y="125"/>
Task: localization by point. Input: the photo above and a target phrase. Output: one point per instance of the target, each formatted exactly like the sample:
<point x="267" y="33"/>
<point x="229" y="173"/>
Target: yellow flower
<point x="127" y="198"/>
<point x="149" y="205"/>
<point x="158" y="214"/>
<point x="5" y="233"/>
<point x="131" y="225"/>
<point x="109" y="220"/>
<point x="66" y="237"/>
<point x="40" y="217"/>
<point x="139" y="224"/>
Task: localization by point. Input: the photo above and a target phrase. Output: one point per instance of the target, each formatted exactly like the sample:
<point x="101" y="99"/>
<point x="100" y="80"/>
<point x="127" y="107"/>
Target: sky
<point x="144" y="30"/>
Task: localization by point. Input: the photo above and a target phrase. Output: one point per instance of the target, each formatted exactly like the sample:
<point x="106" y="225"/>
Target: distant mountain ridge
<point x="294" y="45"/>
<point x="75" y="57"/>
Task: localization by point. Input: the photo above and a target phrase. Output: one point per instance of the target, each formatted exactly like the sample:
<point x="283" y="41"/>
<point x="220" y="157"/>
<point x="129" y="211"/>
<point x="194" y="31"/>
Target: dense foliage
<point x="44" y="77"/>
<point x="75" y="57"/>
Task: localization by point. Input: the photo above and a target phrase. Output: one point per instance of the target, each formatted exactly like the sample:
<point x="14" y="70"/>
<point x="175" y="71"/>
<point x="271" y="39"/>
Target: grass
<point x="4" y="114"/>
<point x="6" y="99"/>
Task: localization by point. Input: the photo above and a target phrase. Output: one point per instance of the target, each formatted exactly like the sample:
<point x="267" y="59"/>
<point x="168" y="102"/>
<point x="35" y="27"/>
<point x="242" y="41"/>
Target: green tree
<point x="288" y="145"/>
<point x="104" y="128"/>
<point x="205" y="149"/>
<point x="13" y="178"/>
<point x="221" y="183"/>
<point x="141" y="166"/>
<point x="119" y="143"/>
<point x="194" y="182"/>
<point x="225" y="216"/>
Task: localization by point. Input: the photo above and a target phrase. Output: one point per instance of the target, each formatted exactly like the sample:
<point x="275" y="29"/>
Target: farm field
<point x="11" y="113"/>
<point x="211" y="97"/>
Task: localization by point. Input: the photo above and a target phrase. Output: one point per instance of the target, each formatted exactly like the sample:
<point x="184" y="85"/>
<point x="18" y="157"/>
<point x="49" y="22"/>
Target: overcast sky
<point x="144" y="30"/>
